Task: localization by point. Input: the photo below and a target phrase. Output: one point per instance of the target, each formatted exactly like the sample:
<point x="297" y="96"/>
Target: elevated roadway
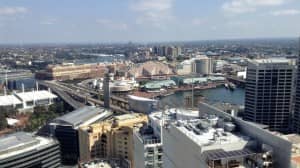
<point x="82" y="94"/>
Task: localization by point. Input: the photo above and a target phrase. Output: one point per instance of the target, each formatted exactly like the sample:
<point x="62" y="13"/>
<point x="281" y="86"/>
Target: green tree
<point x="40" y="116"/>
<point x="3" y="121"/>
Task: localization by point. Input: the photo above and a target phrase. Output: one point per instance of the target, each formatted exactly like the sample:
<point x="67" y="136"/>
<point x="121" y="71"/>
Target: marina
<point x="213" y="95"/>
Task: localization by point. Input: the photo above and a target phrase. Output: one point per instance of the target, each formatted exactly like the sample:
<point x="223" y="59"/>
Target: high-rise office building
<point x="20" y="149"/>
<point x="296" y="117"/>
<point x="269" y="88"/>
<point x="148" y="151"/>
<point x="212" y="138"/>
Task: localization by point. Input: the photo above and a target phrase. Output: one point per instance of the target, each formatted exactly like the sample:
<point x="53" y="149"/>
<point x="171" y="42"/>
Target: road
<point x="81" y="93"/>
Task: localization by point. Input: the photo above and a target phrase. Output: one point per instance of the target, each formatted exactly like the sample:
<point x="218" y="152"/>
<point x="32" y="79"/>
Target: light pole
<point x="192" y="92"/>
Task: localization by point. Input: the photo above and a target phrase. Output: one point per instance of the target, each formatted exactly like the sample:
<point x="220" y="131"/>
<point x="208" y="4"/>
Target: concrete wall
<point x="281" y="147"/>
<point x="142" y="106"/>
<point x="139" y="153"/>
<point x="180" y="151"/>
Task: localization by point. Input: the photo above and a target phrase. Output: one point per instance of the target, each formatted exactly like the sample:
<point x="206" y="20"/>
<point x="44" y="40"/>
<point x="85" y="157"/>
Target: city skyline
<point x="145" y="20"/>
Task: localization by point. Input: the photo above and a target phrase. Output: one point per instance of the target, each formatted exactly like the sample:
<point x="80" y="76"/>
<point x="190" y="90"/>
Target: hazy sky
<point x="34" y="21"/>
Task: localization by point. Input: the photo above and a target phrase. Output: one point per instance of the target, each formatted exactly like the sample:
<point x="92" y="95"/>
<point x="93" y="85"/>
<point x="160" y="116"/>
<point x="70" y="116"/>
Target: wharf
<point x="170" y="91"/>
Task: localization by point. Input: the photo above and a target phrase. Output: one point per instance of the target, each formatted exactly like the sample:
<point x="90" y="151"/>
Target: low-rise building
<point x="158" y="84"/>
<point x="65" y="129"/>
<point x="27" y="100"/>
<point x="110" y="139"/>
<point x="72" y="71"/>
<point x="141" y="104"/>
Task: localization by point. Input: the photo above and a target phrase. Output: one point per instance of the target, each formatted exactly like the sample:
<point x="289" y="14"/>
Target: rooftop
<point x="172" y="114"/>
<point x="82" y="116"/>
<point x="20" y="142"/>
<point x="146" y="136"/>
<point x="36" y="95"/>
<point x="127" y="116"/>
<point x="209" y="132"/>
<point x="159" y="84"/>
<point x="9" y="100"/>
<point x="272" y="61"/>
<point x="140" y="98"/>
<point x="105" y="163"/>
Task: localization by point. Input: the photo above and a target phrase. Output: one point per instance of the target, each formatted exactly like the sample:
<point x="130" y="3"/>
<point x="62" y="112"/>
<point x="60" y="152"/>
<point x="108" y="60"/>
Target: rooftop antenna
<point x="23" y="89"/>
<point x="5" y="91"/>
<point x="6" y="80"/>
<point x="37" y="86"/>
<point x="192" y="92"/>
<point x="33" y="96"/>
<point x="162" y="123"/>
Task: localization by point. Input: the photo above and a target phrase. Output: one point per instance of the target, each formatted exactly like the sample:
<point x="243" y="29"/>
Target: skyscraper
<point x="296" y="117"/>
<point x="269" y="87"/>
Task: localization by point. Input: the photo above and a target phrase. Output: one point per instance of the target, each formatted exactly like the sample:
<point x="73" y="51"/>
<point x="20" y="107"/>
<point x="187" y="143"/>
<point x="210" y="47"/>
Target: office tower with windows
<point x="296" y="117"/>
<point x="269" y="88"/>
<point x="22" y="149"/>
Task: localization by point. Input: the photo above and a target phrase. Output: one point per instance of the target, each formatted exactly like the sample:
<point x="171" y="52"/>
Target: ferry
<point x="232" y="86"/>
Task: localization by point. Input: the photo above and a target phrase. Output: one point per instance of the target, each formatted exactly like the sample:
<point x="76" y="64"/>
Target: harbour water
<point x="219" y="94"/>
<point x="100" y="58"/>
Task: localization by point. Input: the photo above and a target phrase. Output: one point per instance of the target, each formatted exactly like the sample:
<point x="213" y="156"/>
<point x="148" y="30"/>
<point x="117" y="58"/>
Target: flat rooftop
<point x="279" y="60"/>
<point x="173" y="114"/>
<point x="140" y="98"/>
<point x="105" y="163"/>
<point x="211" y="136"/>
<point x="146" y="135"/>
<point x="9" y="100"/>
<point x="126" y="116"/>
<point x="20" y="142"/>
<point x="36" y="95"/>
<point x="205" y="132"/>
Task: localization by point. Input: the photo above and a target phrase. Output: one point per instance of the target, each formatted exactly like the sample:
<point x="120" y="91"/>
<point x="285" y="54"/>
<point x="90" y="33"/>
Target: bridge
<point x="238" y="81"/>
<point x="75" y="104"/>
<point x="69" y="92"/>
<point x="115" y="100"/>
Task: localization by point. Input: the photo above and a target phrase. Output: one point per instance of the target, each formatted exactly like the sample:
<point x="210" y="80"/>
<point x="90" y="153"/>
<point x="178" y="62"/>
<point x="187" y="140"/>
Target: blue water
<point x="214" y="95"/>
<point x="100" y="59"/>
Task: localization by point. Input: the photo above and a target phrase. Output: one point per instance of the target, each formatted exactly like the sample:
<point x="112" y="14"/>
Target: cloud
<point x="286" y="12"/>
<point x="49" y="22"/>
<point x="198" y="21"/>
<point x="112" y="25"/>
<point x="155" y="12"/>
<point x="246" y="6"/>
<point x="11" y="11"/>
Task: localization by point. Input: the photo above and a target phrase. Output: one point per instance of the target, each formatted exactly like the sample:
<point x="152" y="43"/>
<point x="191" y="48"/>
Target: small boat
<point x="226" y="85"/>
<point x="232" y="86"/>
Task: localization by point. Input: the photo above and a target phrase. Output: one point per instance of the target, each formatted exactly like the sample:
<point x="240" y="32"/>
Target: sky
<point x="108" y="21"/>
